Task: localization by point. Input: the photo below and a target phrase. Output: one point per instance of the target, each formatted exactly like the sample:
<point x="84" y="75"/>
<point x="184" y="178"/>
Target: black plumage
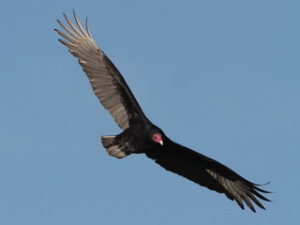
<point x="139" y="134"/>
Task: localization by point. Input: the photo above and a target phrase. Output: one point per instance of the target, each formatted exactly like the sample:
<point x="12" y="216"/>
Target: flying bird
<point x="139" y="134"/>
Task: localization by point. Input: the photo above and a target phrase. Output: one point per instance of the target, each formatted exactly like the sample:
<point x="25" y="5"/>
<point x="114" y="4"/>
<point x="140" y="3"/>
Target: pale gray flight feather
<point x="107" y="82"/>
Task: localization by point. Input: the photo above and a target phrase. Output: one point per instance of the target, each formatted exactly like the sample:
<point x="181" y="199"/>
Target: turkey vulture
<point x="139" y="134"/>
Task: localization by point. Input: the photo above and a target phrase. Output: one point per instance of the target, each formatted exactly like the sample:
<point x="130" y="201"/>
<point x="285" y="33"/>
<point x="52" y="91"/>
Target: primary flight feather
<point x="139" y="134"/>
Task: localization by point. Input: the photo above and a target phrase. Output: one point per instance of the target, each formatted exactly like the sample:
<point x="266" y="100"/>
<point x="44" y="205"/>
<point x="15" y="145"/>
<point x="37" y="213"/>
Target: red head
<point x="157" y="138"/>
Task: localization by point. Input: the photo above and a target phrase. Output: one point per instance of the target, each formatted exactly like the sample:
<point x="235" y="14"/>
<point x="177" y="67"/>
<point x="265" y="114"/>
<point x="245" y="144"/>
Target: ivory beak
<point x="161" y="142"/>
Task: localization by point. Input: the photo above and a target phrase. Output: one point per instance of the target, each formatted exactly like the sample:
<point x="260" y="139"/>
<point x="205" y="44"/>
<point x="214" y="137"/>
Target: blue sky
<point x="221" y="77"/>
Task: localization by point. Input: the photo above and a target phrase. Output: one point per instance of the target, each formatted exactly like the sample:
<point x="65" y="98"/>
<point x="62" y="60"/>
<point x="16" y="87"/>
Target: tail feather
<point x="112" y="148"/>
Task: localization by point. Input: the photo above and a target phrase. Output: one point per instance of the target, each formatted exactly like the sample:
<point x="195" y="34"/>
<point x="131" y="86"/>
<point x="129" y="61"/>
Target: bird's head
<point x="157" y="138"/>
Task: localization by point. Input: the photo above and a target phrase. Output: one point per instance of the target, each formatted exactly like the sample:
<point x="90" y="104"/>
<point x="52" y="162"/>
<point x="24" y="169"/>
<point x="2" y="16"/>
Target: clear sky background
<point x="221" y="77"/>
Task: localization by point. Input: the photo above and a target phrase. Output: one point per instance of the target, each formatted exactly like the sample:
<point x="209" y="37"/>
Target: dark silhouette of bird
<point x="139" y="134"/>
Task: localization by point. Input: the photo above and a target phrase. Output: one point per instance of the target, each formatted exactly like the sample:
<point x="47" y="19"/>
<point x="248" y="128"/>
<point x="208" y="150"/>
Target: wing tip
<point x="255" y="192"/>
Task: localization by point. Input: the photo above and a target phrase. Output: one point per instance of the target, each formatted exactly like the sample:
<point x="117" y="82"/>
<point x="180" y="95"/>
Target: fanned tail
<point x="112" y="147"/>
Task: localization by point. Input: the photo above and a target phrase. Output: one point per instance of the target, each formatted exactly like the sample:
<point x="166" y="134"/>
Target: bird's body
<point x="139" y="135"/>
<point x="131" y="140"/>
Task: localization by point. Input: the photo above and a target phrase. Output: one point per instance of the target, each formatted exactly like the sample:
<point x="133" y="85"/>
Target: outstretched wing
<point x="209" y="173"/>
<point x="107" y="82"/>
